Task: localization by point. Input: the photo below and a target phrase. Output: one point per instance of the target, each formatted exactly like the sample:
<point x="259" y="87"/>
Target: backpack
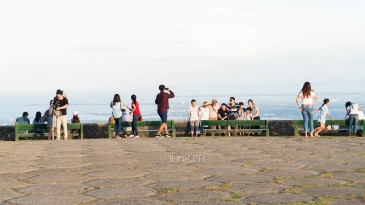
<point x="45" y="116"/>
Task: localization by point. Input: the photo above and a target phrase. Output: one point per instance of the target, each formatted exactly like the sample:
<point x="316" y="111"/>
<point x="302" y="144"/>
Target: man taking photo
<point x="162" y="101"/>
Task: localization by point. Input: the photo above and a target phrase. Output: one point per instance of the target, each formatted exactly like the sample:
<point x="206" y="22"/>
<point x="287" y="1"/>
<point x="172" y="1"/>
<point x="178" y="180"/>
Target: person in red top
<point x="162" y="101"/>
<point x="136" y="115"/>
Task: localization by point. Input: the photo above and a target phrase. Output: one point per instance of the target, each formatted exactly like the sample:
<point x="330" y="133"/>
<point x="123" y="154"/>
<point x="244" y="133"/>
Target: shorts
<point x="163" y="116"/>
<point x="51" y="122"/>
<point x="214" y="118"/>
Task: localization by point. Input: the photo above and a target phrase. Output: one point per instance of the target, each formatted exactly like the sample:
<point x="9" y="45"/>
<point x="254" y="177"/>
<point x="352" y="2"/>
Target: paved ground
<point x="184" y="171"/>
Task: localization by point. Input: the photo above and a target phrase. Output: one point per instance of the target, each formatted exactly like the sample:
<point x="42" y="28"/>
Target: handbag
<point x="140" y="118"/>
<point x="57" y="113"/>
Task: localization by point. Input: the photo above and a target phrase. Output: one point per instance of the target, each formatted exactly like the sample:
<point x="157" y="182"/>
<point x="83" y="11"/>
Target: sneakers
<point x="130" y="136"/>
<point x="136" y="137"/>
<point x="159" y="136"/>
<point x="118" y="137"/>
<point x="167" y="136"/>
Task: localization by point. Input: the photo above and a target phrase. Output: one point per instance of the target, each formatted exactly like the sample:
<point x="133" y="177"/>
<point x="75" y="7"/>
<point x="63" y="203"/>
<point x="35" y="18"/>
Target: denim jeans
<point x="308" y="117"/>
<point x="353" y="119"/>
<point x="134" y="125"/>
<point x="194" y="125"/>
<point x="117" y="126"/>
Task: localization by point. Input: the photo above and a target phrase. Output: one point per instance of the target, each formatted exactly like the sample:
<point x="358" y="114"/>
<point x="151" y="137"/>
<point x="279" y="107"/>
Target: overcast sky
<point x="108" y="46"/>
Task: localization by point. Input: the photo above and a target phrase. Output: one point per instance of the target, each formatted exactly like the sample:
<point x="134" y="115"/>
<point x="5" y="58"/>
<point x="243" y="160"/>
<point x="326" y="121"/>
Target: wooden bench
<point x="21" y="128"/>
<point x="157" y="124"/>
<point x="298" y="125"/>
<point x="233" y="123"/>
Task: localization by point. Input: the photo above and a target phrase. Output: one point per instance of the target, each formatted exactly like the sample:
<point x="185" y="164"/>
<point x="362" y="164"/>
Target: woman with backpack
<point x="116" y="106"/>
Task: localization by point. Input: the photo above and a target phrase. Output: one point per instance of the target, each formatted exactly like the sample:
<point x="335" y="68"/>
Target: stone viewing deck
<point x="220" y="170"/>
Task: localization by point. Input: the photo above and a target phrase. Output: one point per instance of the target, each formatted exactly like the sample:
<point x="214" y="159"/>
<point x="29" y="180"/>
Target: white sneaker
<point x="167" y="136"/>
<point x="159" y="136"/>
<point x="137" y="136"/>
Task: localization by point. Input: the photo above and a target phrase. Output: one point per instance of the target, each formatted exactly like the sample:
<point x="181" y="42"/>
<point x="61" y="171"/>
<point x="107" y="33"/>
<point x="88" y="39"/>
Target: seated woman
<point x="75" y="119"/>
<point x="38" y="120"/>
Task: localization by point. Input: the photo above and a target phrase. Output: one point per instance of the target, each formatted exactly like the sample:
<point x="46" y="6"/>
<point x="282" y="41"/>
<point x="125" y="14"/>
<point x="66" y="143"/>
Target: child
<point x="322" y="116"/>
<point x="248" y="116"/>
<point x="51" y="121"/>
<point x="241" y="111"/>
<point x="126" y="118"/>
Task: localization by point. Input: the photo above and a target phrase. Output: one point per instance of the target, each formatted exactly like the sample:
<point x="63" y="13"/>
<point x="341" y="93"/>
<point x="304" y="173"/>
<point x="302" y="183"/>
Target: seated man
<point x="22" y="120"/>
<point x="126" y="118"/>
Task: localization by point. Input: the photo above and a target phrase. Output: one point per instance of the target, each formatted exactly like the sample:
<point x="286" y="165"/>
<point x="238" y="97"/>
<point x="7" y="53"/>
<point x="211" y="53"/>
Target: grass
<point x="168" y="190"/>
<point x="222" y="187"/>
<point x="279" y="180"/>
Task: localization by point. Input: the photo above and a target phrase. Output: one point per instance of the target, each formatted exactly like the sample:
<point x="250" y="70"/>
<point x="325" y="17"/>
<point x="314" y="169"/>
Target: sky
<point x="104" y="47"/>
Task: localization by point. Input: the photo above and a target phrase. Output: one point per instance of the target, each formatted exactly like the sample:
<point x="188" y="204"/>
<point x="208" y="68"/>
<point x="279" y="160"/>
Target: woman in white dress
<point x="322" y="116"/>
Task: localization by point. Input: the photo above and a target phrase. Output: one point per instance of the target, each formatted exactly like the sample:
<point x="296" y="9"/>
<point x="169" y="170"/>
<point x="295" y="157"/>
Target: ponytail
<point x="325" y="101"/>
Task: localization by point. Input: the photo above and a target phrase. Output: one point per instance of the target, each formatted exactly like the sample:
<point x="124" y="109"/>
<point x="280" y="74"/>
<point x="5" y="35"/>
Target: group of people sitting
<point x="54" y="116"/>
<point x="214" y="111"/>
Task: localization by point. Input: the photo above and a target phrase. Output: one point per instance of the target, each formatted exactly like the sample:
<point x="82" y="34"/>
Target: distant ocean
<point x="96" y="109"/>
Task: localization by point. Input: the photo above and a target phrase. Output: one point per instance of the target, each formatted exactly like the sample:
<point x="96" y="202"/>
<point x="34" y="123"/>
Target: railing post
<point x="202" y="128"/>
<point x="16" y="133"/>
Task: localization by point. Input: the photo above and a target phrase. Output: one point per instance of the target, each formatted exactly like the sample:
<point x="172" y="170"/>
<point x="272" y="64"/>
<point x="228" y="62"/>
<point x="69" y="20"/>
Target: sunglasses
<point x="230" y="100"/>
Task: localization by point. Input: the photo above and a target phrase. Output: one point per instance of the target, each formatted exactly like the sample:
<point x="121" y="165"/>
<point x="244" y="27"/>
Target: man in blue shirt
<point x="22" y="120"/>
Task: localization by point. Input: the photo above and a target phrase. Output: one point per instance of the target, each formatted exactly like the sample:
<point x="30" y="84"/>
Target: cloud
<point x="100" y="48"/>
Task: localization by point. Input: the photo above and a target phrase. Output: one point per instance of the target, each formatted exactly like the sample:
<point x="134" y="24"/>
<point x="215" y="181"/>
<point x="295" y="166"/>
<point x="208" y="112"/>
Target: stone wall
<point x="100" y="130"/>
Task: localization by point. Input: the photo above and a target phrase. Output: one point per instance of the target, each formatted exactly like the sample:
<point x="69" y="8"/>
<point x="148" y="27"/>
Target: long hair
<point x="348" y="104"/>
<point x="116" y="99"/>
<point x="306" y="90"/>
<point x="75" y="119"/>
<point x="325" y="101"/>
<point x="38" y="117"/>
<point x="134" y="98"/>
<point x="250" y="100"/>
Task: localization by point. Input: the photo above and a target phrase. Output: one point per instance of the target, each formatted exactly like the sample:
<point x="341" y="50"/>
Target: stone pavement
<point x="222" y="170"/>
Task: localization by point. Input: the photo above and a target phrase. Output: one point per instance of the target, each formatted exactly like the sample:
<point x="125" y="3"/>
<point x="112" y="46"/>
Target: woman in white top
<point x="204" y="111"/>
<point x="306" y="108"/>
<point x="353" y="111"/>
<point x="194" y="116"/>
<point x="322" y="116"/>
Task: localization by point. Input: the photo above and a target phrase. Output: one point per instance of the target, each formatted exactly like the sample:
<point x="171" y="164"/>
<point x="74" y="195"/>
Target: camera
<point x="166" y="88"/>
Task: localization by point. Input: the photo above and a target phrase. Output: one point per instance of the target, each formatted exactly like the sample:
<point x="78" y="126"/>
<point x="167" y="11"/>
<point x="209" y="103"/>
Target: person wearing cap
<point x="194" y="118"/>
<point x="75" y="118"/>
<point x="213" y="112"/>
<point x="223" y="114"/>
<point x="204" y="112"/>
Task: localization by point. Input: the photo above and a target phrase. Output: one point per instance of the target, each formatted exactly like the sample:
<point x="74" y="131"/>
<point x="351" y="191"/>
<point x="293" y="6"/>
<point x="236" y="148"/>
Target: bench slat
<point x="233" y="123"/>
<point x="170" y="123"/>
<point x="29" y="127"/>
